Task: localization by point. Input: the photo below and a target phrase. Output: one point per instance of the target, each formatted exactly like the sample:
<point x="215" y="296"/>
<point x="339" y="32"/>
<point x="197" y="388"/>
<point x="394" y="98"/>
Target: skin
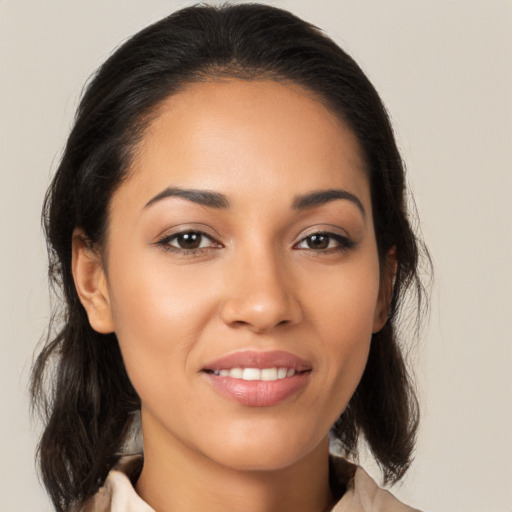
<point x="255" y="283"/>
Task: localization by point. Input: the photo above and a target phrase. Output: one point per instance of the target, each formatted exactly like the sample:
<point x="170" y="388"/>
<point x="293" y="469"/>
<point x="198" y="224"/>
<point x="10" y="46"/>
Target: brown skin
<point x="254" y="283"/>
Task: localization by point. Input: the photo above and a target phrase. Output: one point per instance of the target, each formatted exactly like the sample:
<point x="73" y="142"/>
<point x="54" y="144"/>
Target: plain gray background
<point x="443" y="68"/>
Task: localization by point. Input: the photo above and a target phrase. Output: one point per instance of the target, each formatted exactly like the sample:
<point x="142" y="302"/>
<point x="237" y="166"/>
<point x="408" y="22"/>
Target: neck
<point x="175" y="478"/>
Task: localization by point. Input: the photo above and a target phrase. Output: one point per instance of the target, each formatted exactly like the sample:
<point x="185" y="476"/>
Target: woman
<point x="229" y="229"/>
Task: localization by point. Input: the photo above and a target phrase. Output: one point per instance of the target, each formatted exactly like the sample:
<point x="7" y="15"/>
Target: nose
<point x="260" y="295"/>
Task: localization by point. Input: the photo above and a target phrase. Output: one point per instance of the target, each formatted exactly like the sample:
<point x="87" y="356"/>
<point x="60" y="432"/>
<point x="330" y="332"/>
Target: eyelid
<point x="328" y="229"/>
<point x="163" y="240"/>
<point x="174" y="236"/>
<point x="344" y="240"/>
<point x="204" y="229"/>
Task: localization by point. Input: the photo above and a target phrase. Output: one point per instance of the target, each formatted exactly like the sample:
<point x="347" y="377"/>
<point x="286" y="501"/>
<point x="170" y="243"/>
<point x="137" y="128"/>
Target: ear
<point x="91" y="283"/>
<point x="387" y="284"/>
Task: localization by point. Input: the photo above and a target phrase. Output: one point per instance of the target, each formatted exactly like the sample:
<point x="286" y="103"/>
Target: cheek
<point x="342" y="311"/>
<point x="148" y="294"/>
<point x="342" y="302"/>
<point x="159" y="313"/>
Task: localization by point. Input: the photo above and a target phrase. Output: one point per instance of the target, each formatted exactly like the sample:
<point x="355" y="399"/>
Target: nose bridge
<point x="260" y="292"/>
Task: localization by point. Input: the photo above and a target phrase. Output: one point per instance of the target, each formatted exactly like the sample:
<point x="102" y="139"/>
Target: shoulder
<point x="363" y="494"/>
<point x="117" y="493"/>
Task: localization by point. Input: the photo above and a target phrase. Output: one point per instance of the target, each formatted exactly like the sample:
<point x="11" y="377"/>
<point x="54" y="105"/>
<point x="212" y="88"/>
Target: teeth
<point x="266" y="374"/>
<point x="235" y="373"/>
<point x="269" y="374"/>
<point x="251" y="374"/>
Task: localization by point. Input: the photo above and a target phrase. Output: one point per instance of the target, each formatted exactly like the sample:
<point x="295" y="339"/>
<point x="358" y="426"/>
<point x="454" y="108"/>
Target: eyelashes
<point x="325" y="242"/>
<point x="189" y="243"/>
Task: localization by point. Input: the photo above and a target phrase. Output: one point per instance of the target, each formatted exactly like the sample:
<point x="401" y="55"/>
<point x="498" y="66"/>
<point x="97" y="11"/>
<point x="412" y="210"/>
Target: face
<point x="241" y="273"/>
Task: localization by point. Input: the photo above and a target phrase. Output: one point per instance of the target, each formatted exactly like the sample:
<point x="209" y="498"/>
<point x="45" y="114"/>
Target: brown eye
<point x="325" y="242"/>
<point x="190" y="240"/>
<point x="318" y="242"/>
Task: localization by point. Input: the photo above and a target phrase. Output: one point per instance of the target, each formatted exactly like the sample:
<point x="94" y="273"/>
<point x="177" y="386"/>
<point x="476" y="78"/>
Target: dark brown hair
<point x="89" y="399"/>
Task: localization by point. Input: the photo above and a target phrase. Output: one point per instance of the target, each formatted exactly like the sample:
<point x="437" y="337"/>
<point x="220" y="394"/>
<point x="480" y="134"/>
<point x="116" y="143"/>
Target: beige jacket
<point x="363" y="494"/>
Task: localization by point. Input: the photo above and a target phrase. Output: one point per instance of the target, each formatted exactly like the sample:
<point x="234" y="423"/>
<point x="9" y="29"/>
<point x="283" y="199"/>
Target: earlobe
<point x="387" y="285"/>
<point x="91" y="283"/>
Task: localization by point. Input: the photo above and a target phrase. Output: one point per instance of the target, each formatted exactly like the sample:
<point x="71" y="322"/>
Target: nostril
<point x="239" y="323"/>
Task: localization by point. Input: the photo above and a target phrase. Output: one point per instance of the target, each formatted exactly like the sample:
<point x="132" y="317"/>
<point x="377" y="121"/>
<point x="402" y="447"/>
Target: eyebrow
<point x="321" y="197"/>
<point x="218" y="200"/>
<point x="202" y="197"/>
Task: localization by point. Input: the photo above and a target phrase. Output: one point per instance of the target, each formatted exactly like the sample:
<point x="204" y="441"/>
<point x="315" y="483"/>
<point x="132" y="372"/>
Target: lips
<point x="260" y="360"/>
<point x="258" y="379"/>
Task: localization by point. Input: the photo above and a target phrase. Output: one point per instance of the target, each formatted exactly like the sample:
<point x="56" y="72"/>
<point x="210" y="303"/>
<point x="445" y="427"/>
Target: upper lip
<point x="261" y="360"/>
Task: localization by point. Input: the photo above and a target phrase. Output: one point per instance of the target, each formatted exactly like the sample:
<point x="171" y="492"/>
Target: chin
<point x="264" y="449"/>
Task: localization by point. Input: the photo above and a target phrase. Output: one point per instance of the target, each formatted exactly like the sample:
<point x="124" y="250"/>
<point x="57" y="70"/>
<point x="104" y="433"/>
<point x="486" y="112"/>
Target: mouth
<point x="263" y="374"/>
<point x="258" y="379"/>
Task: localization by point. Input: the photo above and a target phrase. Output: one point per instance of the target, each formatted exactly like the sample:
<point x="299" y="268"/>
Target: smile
<point x="258" y="379"/>
<point x="265" y="374"/>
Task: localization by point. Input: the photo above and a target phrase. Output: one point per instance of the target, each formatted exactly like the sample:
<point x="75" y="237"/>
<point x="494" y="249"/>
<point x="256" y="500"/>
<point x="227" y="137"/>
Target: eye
<point x="188" y="241"/>
<point x="325" y="242"/>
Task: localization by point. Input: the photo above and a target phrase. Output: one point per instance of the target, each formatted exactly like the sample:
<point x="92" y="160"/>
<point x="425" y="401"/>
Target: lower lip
<point x="258" y="393"/>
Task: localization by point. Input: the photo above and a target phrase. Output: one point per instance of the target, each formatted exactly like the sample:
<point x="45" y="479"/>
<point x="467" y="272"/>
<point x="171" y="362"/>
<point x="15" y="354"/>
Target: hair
<point x="79" y="382"/>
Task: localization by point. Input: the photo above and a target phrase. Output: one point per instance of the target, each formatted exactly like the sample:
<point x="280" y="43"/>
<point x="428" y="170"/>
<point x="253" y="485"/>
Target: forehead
<point x="237" y="134"/>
